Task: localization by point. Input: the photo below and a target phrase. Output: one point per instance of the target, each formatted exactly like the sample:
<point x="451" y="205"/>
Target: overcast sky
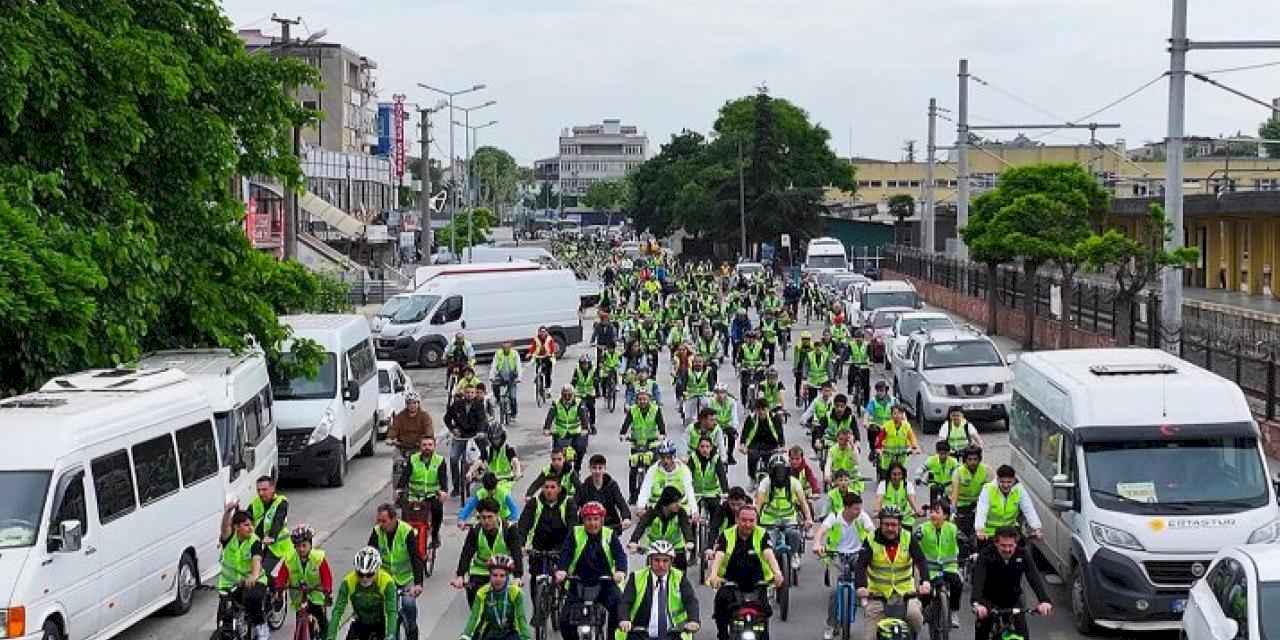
<point x="864" y="66"/>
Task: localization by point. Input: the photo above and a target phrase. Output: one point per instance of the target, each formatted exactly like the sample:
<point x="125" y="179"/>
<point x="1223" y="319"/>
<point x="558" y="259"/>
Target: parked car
<point x="393" y="386"/>
<point x="953" y="367"/>
<point x="881" y="322"/>
<point x="1239" y="596"/>
<point x="907" y="324"/>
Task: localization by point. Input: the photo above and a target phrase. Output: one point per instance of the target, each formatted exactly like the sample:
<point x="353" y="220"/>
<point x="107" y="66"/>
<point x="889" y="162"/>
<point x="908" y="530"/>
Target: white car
<point x="1239" y="596"/>
<point x="393" y="386"/>
<point x="907" y="324"/>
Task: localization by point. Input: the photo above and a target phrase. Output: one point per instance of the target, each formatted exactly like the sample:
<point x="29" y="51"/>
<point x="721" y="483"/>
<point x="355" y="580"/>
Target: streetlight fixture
<point x="473" y="139"/>
<point x="453" y="195"/>
<point x="466" y="116"/>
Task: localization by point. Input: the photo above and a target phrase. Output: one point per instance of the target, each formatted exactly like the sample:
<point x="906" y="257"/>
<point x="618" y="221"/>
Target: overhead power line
<point x="1113" y="103"/>
<point x="1244" y="68"/>
<point x="1016" y="98"/>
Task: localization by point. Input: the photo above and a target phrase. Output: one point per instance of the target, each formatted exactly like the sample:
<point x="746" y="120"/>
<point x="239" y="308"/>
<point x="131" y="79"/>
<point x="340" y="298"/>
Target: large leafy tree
<point x="496" y="175"/>
<point x="123" y="124"/>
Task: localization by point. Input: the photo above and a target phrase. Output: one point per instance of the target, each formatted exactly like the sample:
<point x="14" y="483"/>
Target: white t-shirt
<point x="849" y="540"/>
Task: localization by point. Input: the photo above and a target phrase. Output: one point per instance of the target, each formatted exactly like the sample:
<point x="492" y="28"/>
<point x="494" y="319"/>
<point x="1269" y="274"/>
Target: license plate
<point x="980" y="406"/>
<point x="1179" y="605"/>
<point x="284" y="461"/>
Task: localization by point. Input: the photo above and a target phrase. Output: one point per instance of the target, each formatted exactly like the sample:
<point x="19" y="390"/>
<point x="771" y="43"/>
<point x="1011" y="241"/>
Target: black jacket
<point x="466" y="419"/>
<point x="604" y="334"/>
<point x="608" y="494"/>
<point x="550" y="530"/>
<point x="998" y="584"/>
<point x="641" y="621"/>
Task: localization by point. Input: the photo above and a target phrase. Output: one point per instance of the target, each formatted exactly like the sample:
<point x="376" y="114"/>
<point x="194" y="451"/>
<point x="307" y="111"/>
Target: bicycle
<point x="704" y="536"/>
<point x="1004" y="627"/>
<point x="786" y="564"/>
<point x="541" y="378"/>
<point x="232" y="618"/>
<point x="818" y="440"/>
<point x="588" y="615"/>
<point x="451" y="378"/>
<point x="846" y="608"/>
<point x="305" y="626"/>
<point x="609" y="390"/>
<point x="938" y="613"/>
<point x="638" y="463"/>
<point x="547" y="596"/>
<point x="750" y="620"/>
<point x="277" y="607"/>
<point x="502" y="390"/>
<point x="418" y="514"/>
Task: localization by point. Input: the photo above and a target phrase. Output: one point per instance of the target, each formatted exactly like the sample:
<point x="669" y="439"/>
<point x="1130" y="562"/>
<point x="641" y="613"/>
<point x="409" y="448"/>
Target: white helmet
<point x="662" y="548"/>
<point x="368" y="561"/>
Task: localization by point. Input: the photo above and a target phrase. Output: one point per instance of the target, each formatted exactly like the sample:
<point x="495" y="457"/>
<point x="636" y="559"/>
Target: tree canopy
<point x="496" y="172"/>
<point x="123" y="124"/>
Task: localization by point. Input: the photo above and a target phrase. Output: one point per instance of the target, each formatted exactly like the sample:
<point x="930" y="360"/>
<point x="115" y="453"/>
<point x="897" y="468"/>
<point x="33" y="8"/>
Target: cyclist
<point x="605" y="335"/>
<point x="397" y="542"/>
<point x="773" y="391"/>
<point x="498" y="610"/>
<point x="409" y="426"/>
<point x="844" y="452"/>
<point x="819" y="407"/>
<point x="843" y="482"/>
<point x="547" y="519"/>
<point x="697" y="387"/>
<point x="780" y="497"/>
<point x="502" y="459"/>
<point x="937" y="471"/>
<point x="896" y="491"/>
<point x="668" y="522"/>
<point x="585" y="383"/>
<point x="709" y="479"/>
<point x="426" y="479"/>
<point x="878" y="411"/>
<point x="725" y="515"/>
<point x="843" y="533"/>
<point x="306" y="568"/>
<point x="591" y="552"/>
<point x="460" y="351"/>
<point x="610" y="368"/>
<point x="659" y="599"/>
<point x="668" y="471"/>
<point x="817" y="365"/>
<point x="600" y="487"/>
<point x="745" y="557"/>
<point x="505" y="376"/>
<point x="566" y="423"/>
<point x="270" y="513"/>
<point x="769" y="332"/>
<point x="1001" y="503"/>
<point x="560" y="468"/>
<point x="958" y="432"/>
<point x="799" y="469"/>
<point x="644" y="421"/>
<point x="706" y="428"/>
<point x="966" y="485"/>
<point x="469" y="380"/>
<point x="650" y="340"/>
<point x="799" y="357"/>
<point x="543" y="351"/>
<point x="887" y="568"/>
<point x="997" y="582"/>
<point x="859" y="365"/>
<point x="466" y="420"/>
<point x="761" y="435"/>
<point x="895" y="441"/>
<point x="372" y="594"/>
<point x="727" y="419"/>
<point x="492" y="537"/>
<point x="738" y="330"/>
<point x="241" y="568"/>
<point x="750" y="362"/>
<point x="939" y="542"/>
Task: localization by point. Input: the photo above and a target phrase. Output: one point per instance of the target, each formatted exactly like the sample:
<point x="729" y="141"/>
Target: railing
<point x="1246" y="357"/>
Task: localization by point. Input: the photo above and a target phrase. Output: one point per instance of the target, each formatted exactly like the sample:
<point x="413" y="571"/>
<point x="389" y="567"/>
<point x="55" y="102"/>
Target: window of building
<point x="891" y="184"/>
<point x="156" y="465"/>
<point x="113" y="482"/>
<point x="915" y="183"/>
<point x="875" y="184"/>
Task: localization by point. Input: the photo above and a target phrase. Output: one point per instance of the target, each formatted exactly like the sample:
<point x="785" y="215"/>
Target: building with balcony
<point x="595" y="153"/>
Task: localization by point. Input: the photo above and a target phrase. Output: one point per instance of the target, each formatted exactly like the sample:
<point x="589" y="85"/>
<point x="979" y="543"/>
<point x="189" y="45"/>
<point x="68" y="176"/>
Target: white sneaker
<point x="262" y="632"/>
<point x="955" y="620"/>
<point x="828" y="634"/>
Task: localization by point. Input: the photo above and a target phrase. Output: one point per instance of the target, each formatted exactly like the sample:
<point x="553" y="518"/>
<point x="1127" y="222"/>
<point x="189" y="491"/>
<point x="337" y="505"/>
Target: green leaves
<point x="1138" y="261"/>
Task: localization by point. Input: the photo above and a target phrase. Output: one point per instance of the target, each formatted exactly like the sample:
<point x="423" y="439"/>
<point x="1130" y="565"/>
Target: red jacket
<point x="326" y="577"/>
<point x="808" y="476"/>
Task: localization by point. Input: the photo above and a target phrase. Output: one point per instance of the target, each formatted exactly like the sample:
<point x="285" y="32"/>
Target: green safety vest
<point x="537" y="516"/>
<point x="957" y="437"/>
<point x="881" y="411"/>
<point x="1003" y="510"/>
<point x="369" y="604"/>
<point x="237" y="562"/>
<point x="770" y="331"/>
<point x="698" y="385"/>
<point x="706" y="477"/>
<point x="822" y="408"/>
<point x="499" y="496"/>
<point x="501" y="616"/>
<point x="485" y="550"/>
<point x="844" y="458"/>
<point x="580" y="544"/>
<point x="662" y="478"/>
<point x="897" y="496"/>
<point x="424" y="477"/>
<point x="506" y="362"/>
<point x="567" y="422"/>
<point x="500" y="463"/>
<point x="696" y="434"/>
<point x="566" y="478"/>
<point x="584" y="382"/>
<point x="666" y="529"/>
<point x="307" y="575"/>
<point x="757" y="544"/>
<point x="941" y="550"/>
<point x="263" y="515"/>
<point x="708" y="347"/>
<point x="836" y="425"/>
<point x="395" y="553"/>
<point x="940" y="474"/>
<point x="752" y="354"/>
<point x="971" y="484"/>
<point x="675" y="605"/>
<point x="772" y="393"/>
<point x="858" y="352"/>
<point x="724" y="411"/>
<point x="887" y="578"/>
<point x="896" y="443"/>
<point x="644" y="426"/>
<point x="839" y="334"/>
<point x="837" y="531"/>
<point x="780" y="505"/>
<point x="818" y="361"/>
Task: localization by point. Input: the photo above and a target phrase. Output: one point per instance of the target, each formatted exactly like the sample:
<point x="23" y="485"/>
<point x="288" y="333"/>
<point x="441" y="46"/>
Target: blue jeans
<point x="457" y="462"/>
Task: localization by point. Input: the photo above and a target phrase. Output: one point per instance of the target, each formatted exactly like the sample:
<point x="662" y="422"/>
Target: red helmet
<point x="591" y="509"/>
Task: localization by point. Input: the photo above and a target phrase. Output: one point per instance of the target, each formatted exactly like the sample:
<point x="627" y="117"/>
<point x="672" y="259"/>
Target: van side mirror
<point x="1226" y="628"/>
<point x="1011" y="358"/>
<point x="1064" y="493"/>
<point x="352" y="392"/>
<point x="69" y="538"/>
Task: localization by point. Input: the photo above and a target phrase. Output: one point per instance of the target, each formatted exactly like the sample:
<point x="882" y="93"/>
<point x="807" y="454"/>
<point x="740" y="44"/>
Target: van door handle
<point x="88" y="551"/>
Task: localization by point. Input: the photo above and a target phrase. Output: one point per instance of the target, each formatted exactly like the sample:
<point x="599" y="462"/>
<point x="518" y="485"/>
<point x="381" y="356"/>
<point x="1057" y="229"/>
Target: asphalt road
<point x="343" y="516"/>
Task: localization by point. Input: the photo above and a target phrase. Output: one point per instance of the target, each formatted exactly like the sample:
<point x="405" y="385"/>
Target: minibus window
<point x="324" y="385"/>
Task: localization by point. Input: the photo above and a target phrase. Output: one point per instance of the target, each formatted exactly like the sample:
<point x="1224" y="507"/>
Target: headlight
<point x="584" y="630"/>
<point x="748" y="635"/>
<point x="1266" y="534"/>
<point x="322" y="429"/>
<point x="1111" y="537"/>
<point x="938" y="390"/>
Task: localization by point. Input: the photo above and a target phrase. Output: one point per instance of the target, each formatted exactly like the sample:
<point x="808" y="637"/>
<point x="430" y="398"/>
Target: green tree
<point x="122" y="126"/>
<point x="467" y="229"/>
<point x="653" y="186"/>
<point x="497" y="177"/>
<point x="1135" y="262"/>
<point x="1270" y="130"/>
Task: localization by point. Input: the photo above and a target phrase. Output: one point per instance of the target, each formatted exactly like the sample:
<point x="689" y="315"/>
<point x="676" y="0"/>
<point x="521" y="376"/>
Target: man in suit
<point x="658" y="600"/>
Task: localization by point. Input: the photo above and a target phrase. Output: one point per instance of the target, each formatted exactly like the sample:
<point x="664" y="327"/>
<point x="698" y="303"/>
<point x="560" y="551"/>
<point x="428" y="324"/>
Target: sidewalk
<point x="1255" y="307"/>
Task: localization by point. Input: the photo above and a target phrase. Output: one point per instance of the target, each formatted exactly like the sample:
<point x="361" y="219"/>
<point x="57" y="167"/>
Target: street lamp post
<point x="471" y="139"/>
<point x="453" y="208"/>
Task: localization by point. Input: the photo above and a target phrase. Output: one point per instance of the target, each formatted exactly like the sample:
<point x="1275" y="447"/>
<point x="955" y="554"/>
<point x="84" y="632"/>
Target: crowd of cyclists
<point x="907" y="553"/>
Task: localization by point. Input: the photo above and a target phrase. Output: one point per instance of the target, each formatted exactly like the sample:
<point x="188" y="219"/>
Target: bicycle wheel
<point x="941" y="630"/>
<point x="541" y="392"/>
<point x="277" y="610"/>
<point x="540" y="613"/>
<point x="794" y="579"/>
<point x="784" y="592"/>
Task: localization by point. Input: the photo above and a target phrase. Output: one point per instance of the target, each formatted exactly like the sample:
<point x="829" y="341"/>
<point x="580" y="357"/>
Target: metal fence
<point x="1239" y="351"/>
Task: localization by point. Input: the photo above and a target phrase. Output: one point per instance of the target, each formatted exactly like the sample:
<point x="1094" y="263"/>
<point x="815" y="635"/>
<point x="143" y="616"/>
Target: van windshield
<point x="22" y="495"/>
<point x="324" y="385"/>
<point x="414" y="309"/>
<point x="912" y="325"/>
<point x="875" y="300"/>
<point x="1192" y="476"/>
<point x="390" y="307"/>
<point x="826" y="262"/>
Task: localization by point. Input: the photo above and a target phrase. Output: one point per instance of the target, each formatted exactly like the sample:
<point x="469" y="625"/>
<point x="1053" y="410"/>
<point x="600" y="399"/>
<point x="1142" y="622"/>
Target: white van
<point x="1142" y="466"/>
<point x="887" y="293"/>
<point x="490" y="307"/>
<point x="111" y="499"/>
<point x="423" y="275"/>
<point x="323" y="422"/>
<point x="487" y="255"/>
<point x="825" y="255"/>
<point x="239" y="391"/>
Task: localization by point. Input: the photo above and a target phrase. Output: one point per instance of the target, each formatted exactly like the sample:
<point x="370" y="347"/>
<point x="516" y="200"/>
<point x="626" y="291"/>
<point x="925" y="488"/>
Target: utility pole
<point x="425" y="239"/>
<point x="742" y="202"/>
<point x="927" y="219"/>
<point x="962" y="162"/>
<point x="453" y="169"/>
<point x="290" y="196"/>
